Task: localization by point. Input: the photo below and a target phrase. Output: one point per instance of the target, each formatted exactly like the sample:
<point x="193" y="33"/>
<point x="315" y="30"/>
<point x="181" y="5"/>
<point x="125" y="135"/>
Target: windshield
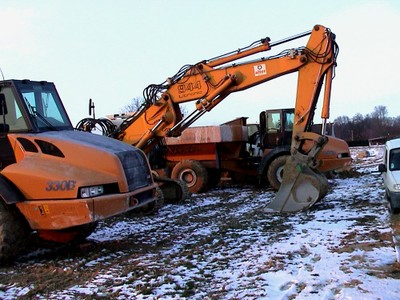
<point x="289" y="121"/>
<point x="44" y="106"/>
<point x="394" y="159"/>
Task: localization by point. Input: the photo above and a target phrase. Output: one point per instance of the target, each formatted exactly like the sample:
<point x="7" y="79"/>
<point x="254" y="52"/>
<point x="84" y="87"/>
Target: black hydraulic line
<point x="292" y="38"/>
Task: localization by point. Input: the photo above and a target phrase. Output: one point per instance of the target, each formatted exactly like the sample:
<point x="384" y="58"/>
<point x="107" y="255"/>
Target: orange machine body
<point x="58" y="177"/>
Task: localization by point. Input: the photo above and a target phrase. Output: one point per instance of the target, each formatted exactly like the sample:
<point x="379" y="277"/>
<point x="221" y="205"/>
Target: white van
<point x="391" y="173"/>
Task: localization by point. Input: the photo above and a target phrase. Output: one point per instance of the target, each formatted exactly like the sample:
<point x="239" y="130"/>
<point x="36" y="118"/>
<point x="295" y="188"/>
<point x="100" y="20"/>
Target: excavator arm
<point x="209" y="82"/>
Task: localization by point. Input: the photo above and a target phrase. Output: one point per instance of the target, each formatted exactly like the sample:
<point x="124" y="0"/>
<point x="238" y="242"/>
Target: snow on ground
<point x="222" y="245"/>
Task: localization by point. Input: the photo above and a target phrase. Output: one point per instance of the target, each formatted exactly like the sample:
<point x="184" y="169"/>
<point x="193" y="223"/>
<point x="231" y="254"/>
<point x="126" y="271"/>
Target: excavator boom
<point x="209" y="82"/>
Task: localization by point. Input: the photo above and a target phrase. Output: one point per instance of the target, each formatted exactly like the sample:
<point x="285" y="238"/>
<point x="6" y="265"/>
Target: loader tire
<point x="14" y="233"/>
<point x="152" y="207"/>
<point x="193" y="173"/>
<point x="175" y="191"/>
<point x="275" y="171"/>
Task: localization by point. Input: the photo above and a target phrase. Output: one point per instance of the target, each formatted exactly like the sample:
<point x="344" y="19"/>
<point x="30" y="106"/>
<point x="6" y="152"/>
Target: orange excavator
<point x="210" y="81"/>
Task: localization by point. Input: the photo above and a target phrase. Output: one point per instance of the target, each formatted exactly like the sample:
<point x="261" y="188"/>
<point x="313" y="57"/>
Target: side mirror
<point x="3" y="105"/>
<point x="382" y="168"/>
<point x="91" y="107"/>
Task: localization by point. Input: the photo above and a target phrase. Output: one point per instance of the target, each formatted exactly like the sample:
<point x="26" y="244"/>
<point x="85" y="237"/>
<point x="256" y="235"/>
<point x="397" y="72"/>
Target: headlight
<point x="91" y="191"/>
<point x="396" y="187"/>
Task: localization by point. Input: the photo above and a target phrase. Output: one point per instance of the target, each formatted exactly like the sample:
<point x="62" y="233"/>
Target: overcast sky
<point x="111" y="50"/>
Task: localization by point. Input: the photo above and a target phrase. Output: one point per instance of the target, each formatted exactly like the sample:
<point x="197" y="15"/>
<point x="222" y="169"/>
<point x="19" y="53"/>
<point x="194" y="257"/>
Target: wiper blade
<point x="34" y="114"/>
<point x="44" y="120"/>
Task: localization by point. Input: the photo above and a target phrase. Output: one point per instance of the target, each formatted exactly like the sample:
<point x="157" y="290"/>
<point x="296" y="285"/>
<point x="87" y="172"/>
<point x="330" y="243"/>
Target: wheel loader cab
<point x="276" y="127"/>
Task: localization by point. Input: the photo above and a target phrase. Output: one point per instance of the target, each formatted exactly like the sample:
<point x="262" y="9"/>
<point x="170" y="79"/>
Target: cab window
<point x="289" y="121"/>
<point x="274" y="121"/>
<point x="13" y="116"/>
<point x="394" y="159"/>
<point x="44" y="106"/>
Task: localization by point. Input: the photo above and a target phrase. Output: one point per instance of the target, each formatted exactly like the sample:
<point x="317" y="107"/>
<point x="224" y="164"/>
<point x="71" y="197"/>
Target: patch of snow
<point x="221" y="245"/>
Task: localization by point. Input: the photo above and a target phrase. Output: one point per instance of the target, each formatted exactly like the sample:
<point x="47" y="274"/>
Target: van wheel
<point x="193" y="173"/>
<point x="394" y="206"/>
<point x="14" y="232"/>
<point x="275" y="171"/>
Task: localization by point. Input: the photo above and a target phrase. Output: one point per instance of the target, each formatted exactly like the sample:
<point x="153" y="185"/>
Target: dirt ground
<point x="222" y="245"/>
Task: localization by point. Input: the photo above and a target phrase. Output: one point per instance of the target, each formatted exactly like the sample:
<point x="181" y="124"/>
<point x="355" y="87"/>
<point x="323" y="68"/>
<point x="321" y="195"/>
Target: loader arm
<point x="209" y="82"/>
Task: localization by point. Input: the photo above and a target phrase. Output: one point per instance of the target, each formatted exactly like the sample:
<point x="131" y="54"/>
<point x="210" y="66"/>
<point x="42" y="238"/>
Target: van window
<point x="394" y="159"/>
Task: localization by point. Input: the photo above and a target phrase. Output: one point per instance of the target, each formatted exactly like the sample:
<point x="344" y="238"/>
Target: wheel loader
<point x="56" y="182"/>
<point x="210" y="81"/>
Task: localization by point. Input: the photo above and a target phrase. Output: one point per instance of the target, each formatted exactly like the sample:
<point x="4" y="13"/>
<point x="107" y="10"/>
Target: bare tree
<point x="361" y="128"/>
<point x="342" y="120"/>
<point x="133" y="106"/>
<point x="380" y="112"/>
<point x="137" y="102"/>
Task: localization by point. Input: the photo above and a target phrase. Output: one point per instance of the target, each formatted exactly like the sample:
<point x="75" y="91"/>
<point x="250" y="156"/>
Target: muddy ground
<point x="223" y="245"/>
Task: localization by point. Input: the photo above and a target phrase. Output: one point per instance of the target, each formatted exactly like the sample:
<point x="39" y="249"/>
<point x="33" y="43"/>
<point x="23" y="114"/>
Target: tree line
<point x="356" y="130"/>
<point x="362" y="128"/>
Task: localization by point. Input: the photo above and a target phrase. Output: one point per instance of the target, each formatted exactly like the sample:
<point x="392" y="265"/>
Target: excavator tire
<point x="14" y="233"/>
<point x="275" y="171"/>
<point x="151" y="208"/>
<point x="193" y="173"/>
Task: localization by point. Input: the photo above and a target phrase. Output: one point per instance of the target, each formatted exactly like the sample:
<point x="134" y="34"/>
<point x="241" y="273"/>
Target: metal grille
<point x="136" y="169"/>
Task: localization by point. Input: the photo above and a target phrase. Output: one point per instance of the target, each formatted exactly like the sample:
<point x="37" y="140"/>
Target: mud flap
<point x="301" y="187"/>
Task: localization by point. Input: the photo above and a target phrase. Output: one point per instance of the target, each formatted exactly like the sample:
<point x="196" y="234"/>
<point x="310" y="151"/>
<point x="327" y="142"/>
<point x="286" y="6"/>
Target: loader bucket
<point x="301" y="187"/>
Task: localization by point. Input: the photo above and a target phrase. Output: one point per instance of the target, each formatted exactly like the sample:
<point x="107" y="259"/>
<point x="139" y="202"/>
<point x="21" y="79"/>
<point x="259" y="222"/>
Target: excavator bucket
<point x="301" y="187"/>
